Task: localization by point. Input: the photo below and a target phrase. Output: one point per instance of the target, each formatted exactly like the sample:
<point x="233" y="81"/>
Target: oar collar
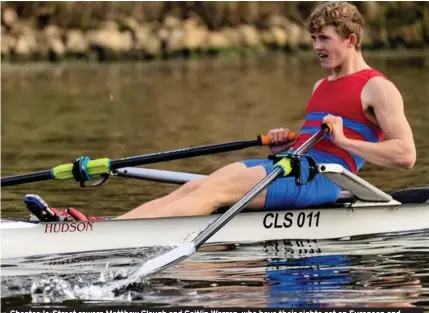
<point x="290" y="163"/>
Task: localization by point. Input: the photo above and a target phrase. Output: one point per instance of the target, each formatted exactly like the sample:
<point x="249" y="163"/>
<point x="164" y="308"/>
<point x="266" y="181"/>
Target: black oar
<point x="84" y="168"/>
<point x="281" y="168"/>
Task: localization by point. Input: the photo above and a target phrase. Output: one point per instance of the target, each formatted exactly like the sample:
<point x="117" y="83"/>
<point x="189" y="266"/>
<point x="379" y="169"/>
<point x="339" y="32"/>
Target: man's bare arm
<point x="398" y="148"/>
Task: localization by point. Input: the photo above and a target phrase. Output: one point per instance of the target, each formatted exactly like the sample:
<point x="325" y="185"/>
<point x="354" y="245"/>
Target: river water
<point x="52" y="114"/>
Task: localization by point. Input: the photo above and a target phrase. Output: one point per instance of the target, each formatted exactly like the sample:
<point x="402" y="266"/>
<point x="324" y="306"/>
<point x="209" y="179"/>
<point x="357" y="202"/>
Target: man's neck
<point x="354" y="63"/>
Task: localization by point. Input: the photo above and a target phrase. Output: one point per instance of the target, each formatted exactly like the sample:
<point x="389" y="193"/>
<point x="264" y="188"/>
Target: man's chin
<point x="327" y="66"/>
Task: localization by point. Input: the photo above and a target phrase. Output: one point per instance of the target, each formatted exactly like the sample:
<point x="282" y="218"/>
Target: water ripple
<point x="372" y="271"/>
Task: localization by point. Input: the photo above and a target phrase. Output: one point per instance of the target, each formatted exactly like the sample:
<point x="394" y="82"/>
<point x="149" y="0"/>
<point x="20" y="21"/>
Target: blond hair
<point x="345" y="17"/>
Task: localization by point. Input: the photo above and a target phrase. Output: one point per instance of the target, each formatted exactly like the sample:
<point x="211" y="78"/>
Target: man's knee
<point x="230" y="174"/>
<point x="227" y="189"/>
<point x="228" y="170"/>
<point x="193" y="184"/>
<point x="213" y="189"/>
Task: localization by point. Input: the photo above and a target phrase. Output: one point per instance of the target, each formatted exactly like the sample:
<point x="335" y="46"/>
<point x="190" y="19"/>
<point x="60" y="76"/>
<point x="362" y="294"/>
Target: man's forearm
<point x="390" y="153"/>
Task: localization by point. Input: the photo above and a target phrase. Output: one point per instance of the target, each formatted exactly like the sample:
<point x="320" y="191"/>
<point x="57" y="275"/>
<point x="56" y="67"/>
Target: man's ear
<point x="352" y="40"/>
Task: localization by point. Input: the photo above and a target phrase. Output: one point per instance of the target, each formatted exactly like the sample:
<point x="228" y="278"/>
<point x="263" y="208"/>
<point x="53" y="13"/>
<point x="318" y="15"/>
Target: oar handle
<point x="266" y="141"/>
<point x="327" y="127"/>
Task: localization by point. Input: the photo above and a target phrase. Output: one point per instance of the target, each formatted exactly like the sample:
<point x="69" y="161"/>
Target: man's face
<point x="330" y="47"/>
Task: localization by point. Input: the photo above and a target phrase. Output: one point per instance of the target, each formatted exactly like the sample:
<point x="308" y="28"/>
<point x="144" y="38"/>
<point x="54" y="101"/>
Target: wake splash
<point x="110" y="285"/>
<point x="56" y="289"/>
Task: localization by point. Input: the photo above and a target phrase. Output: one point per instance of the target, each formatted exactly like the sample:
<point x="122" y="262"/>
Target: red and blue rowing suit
<point x="341" y="97"/>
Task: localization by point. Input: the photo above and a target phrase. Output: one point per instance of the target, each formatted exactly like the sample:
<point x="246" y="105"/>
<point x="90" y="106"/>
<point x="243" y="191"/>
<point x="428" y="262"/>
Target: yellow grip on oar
<point x="94" y="167"/>
<point x="99" y="166"/>
<point x="286" y="165"/>
<point x="62" y="172"/>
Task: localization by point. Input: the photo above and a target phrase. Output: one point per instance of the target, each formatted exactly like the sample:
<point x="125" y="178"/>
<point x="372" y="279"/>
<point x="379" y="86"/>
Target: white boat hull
<point x="24" y="240"/>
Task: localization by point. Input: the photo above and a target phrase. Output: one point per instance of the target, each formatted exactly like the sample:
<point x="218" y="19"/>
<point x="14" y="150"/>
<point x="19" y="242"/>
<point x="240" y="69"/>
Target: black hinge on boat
<point x="296" y="166"/>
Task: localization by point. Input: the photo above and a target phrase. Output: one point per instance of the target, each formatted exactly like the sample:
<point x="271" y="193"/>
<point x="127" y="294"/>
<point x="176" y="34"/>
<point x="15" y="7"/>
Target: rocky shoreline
<point x="146" y="31"/>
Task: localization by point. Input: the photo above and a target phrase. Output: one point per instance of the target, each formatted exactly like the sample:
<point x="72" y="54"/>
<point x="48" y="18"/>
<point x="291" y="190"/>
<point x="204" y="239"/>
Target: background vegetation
<point x="147" y="30"/>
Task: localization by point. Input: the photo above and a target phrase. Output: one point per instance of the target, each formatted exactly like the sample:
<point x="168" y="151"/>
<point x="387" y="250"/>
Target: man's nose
<point x="317" y="45"/>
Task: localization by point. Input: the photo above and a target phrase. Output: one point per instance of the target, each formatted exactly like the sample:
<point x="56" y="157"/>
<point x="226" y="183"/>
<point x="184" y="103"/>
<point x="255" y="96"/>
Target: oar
<point x="281" y="168"/>
<point x="85" y="168"/>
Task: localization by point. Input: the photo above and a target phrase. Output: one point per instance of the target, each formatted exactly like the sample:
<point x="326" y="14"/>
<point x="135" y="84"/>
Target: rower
<point x="364" y="108"/>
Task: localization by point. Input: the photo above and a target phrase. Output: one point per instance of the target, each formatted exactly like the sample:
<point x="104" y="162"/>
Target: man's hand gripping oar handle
<point x="83" y="169"/>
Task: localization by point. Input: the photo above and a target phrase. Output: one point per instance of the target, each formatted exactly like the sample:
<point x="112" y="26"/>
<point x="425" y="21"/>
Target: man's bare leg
<point x="155" y="204"/>
<point x="177" y="194"/>
<point x="223" y="188"/>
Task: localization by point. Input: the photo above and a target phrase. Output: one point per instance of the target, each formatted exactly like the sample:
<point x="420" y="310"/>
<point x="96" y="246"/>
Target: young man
<point x="363" y="106"/>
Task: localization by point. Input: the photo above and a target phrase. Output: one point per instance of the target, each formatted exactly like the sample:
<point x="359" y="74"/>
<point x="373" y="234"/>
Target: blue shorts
<point x="284" y="194"/>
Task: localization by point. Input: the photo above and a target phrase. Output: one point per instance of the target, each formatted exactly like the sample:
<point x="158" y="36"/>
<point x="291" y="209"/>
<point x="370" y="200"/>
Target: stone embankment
<point x="107" y="31"/>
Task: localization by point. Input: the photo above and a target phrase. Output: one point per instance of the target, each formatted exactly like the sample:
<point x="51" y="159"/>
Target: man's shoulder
<point x="372" y="72"/>
<point x="379" y="89"/>
<point x="378" y="83"/>
<point x="317" y="84"/>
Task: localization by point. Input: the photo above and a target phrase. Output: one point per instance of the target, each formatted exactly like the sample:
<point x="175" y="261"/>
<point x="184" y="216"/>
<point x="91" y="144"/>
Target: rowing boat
<point x="362" y="209"/>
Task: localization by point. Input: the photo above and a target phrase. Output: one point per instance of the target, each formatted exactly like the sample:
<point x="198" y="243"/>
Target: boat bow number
<point x="291" y="219"/>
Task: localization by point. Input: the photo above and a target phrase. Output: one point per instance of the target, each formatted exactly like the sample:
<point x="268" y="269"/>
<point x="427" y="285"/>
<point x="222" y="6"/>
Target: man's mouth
<point x="322" y="55"/>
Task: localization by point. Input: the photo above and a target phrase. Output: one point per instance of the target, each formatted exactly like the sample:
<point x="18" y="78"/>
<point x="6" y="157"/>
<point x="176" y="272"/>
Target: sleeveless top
<point x="341" y="97"/>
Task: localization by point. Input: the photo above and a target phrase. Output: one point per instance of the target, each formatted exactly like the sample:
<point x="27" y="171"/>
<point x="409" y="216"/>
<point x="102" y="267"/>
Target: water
<point x="53" y="114"/>
<point x="370" y="271"/>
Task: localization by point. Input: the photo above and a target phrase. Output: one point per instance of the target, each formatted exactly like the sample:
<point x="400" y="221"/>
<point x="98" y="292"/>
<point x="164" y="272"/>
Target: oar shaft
<point x="85" y="168"/>
<point x="26" y="178"/>
<point x="325" y="128"/>
<point x="101" y="164"/>
<point x="182" y="153"/>
<point x="236" y="208"/>
<point x="152" y="158"/>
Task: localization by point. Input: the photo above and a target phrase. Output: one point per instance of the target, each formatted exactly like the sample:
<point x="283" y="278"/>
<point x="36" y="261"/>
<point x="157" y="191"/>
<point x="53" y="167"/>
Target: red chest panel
<point x="341" y="97"/>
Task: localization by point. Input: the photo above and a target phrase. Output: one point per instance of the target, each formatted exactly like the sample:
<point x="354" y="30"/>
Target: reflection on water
<point x="51" y="115"/>
<point x="369" y="271"/>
